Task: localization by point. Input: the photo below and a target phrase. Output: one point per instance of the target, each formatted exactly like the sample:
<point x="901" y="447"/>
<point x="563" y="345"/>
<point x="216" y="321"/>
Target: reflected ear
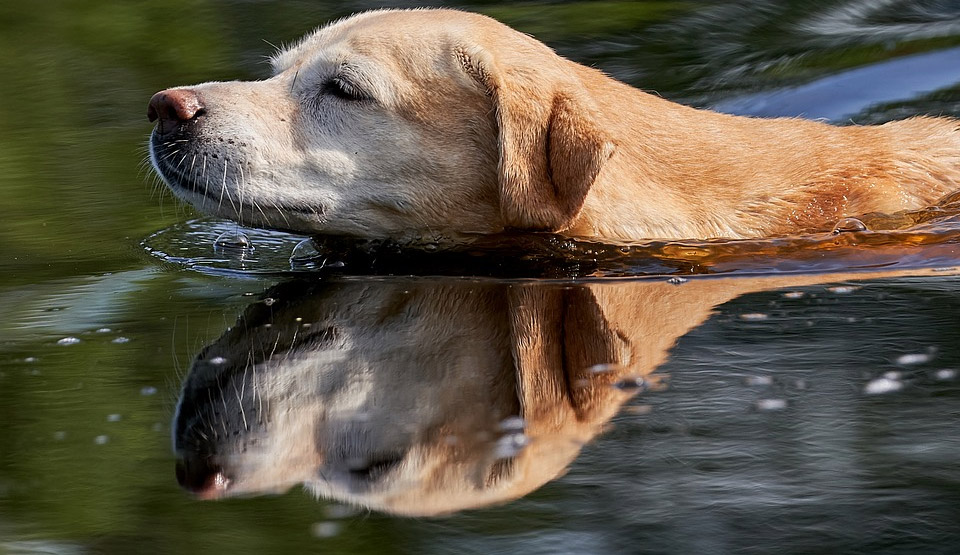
<point x="560" y="335"/>
<point x="550" y="144"/>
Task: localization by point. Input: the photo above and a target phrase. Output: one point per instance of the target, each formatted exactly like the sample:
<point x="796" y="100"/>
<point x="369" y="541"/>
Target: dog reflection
<point x="424" y="397"/>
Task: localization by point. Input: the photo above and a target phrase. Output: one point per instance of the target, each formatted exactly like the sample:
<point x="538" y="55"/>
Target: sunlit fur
<point x="469" y="126"/>
<point x="320" y="381"/>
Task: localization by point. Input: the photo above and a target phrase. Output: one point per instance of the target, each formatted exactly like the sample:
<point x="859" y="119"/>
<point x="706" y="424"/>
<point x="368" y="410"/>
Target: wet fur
<point x="470" y="126"/>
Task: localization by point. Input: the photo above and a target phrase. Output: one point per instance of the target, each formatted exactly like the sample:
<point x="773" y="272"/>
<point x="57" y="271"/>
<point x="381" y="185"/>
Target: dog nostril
<point x="174" y="106"/>
<point x="203" y="479"/>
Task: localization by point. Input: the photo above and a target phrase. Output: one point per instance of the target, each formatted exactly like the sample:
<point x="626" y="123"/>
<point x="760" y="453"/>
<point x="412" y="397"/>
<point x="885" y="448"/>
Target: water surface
<point x="794" y="395"/>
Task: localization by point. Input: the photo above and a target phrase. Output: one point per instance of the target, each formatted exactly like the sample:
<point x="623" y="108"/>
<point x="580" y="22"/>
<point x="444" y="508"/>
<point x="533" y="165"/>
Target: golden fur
<point x="466" y="125"/>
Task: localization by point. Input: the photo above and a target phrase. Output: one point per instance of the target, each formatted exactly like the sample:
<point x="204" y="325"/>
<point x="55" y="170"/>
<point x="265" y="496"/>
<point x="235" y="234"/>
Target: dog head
<point x="409" y="398"/>
<point x="389" y="123"/>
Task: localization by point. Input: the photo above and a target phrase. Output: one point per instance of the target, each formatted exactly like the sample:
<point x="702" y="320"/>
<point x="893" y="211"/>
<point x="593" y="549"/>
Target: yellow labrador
<point x="409" y="123"/>
<point x="429" y="396"/>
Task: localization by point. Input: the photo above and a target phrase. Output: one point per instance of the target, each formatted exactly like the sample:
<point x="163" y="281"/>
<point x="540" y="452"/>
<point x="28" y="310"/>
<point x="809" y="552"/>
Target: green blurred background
<point x="85" y="463"/>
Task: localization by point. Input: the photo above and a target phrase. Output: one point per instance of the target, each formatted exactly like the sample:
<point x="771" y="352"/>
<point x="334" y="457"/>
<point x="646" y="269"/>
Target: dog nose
<point x="205" y="480"/>
<point x="172" y="107"/>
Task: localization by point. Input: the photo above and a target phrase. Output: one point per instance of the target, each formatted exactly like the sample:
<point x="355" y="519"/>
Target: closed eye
<point x="343" y="90"/>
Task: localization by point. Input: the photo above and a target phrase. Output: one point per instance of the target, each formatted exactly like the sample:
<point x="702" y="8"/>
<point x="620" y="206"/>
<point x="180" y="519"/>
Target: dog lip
<point x="176" y="179"/>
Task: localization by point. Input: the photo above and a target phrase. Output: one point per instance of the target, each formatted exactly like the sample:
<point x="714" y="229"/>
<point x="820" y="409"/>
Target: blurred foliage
<point x="75" y="77"/>
<point x="583" y="20"/>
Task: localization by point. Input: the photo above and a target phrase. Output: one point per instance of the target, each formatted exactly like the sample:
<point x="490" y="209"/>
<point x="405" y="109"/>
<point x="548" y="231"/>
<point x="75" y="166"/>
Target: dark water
<point x="799" y="395"/>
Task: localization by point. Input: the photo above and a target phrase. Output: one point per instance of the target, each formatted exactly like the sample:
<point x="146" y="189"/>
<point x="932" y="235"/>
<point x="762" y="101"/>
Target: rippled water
<point x="523" y="393"/>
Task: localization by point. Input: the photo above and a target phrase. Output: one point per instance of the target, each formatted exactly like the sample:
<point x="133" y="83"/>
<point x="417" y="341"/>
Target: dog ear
<point x="551" y="145"/>
<point x="567" y="357"/>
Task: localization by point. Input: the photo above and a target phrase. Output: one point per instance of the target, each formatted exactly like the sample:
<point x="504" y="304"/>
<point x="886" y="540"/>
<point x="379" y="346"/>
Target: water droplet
<point x="325" y="529"/>
<point x="306" y="255"/>
<point x="842" y="289"/>
<point x="101" y="440"/>
<point x="847" y="225"/>
<point x="121" y="340"/>
<point x="233" y="241"/>
<point x="883" y="385"/>
<point x="68" y="341"/>
<point x="148" y="390"/>
<point x="114" y="418"/>
<point x="631" y="384"/>
<point x="601" y="368"/>
<point x="914" y="358"/>
<point x="512" y="424"/>
<point x="771" y="404"/>
<point x="794" y="295"/>
<point x="754" y="316"/>
<point x="338" y="511"/>
<point x="510" y="445"/>
<point x="759" y="380"/>
<point x="677" y="280"/>
<point x="945" y="374"/>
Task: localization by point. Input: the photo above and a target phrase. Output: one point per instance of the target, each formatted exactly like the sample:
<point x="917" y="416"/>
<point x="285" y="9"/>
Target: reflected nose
<point x="174" y="106"/>
<point x="202" y="478"/>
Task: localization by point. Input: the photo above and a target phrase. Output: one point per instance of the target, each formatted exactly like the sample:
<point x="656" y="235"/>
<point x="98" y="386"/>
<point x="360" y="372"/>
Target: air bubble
<point x="677" y="280"/>
<point x="510" y="445"/>
<point x="68" y="341"/>
<point x="512" y="424"/>
<point x="842" y="289"/>
<point x="754" y="316"/>
<point x="911" y="359"/>
<point x="883" y="385"/>
<point x="603" y="368"/>
<point x="847" y="225"/>
<point x="759" y="380"/>
<point x="945" y="374"/>
<point x="326" y="529"/>
<point x="771" y="404"/>
<point x="234" y="241"/>
<point x="631" y="384"/>
<point x="306" y="256"/>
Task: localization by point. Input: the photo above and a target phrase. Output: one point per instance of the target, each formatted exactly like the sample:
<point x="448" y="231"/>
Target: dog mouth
<point x="201" y="173"/>
<point x="189" y="164"/>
